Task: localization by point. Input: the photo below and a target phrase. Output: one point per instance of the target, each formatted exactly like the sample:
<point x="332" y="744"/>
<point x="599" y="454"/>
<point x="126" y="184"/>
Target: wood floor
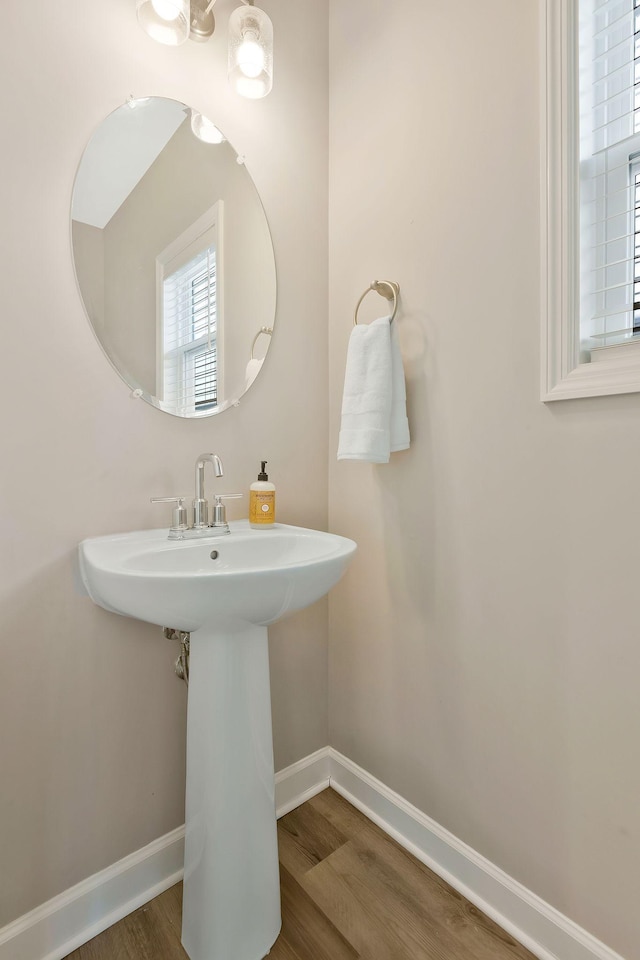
<point x="349" y="892"/>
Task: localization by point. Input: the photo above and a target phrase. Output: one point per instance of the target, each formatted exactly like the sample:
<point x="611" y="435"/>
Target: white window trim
<point x="563" y="375"/>
<point x="211" y="220"/>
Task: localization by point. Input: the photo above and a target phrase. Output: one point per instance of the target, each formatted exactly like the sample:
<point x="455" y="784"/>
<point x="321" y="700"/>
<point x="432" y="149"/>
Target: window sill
<point x="625" y="351"/>
<point x="613" y="370"/>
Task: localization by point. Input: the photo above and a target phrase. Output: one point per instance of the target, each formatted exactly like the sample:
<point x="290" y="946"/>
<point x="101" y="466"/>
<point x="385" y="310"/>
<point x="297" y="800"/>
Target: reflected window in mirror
<point x="189" y="341"/>
<point x="189" y="362"/>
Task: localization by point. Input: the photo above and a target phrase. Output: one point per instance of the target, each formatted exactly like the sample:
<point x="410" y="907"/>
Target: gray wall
<point x="92" y="717"/>
<point x="484" y="654"/>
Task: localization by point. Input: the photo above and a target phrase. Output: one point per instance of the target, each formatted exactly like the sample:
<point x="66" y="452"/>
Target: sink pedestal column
<point x="231" y="905"/>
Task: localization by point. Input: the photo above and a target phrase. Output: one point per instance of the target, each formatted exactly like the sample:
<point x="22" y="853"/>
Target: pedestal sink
<point x="224" y="591"/>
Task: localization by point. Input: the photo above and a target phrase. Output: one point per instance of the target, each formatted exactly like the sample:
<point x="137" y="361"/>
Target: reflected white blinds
<point x="189" y="334"/>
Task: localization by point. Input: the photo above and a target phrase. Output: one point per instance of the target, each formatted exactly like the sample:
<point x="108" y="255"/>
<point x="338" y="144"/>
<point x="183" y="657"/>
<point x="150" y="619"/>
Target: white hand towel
<point x="374" y="419"/>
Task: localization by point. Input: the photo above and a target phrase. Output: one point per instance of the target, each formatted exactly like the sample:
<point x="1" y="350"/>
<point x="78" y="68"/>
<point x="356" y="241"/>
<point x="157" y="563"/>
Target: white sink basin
<point x="224" y="591"/>
<point x="254" y="576"/>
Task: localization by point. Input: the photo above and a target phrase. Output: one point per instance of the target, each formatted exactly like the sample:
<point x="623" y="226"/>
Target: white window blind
<point x="609" y="88"/>
<point x="190" y="357"/>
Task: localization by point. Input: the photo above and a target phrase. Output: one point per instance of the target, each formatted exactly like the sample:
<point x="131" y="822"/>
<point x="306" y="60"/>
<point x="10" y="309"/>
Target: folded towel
<point x="252" y="371"/>
<point x="374" y="416"/>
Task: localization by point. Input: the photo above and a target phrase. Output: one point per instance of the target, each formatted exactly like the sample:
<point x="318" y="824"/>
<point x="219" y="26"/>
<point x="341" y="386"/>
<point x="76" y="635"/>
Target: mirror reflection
<point x="173" y="257"/>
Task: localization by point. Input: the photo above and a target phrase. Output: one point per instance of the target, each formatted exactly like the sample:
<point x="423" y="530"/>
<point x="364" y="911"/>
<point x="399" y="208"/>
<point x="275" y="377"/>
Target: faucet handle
<point x="178" y="515"/>
<point x="219" y="509"/>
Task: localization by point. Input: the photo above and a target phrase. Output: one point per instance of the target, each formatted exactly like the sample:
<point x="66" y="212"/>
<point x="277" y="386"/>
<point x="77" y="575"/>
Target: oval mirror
<point x="173" y="257"/>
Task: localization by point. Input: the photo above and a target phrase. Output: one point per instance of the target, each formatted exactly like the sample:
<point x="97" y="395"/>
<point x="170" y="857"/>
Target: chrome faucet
<point x="200" y="507"/>
<point x="200" y="527"/>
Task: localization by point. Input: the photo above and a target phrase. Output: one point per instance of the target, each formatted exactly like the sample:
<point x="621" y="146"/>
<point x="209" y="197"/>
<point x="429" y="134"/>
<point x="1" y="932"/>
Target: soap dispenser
<point x="262" y="501"/>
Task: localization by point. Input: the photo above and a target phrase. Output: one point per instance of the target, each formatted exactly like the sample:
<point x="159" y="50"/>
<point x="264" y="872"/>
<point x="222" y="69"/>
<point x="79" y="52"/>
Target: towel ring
<point x="267" y="330"/>
<point x="388" y="289"/>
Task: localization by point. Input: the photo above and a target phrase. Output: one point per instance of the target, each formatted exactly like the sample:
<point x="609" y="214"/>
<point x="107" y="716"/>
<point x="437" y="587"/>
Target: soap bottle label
<point x="262" y="506"/>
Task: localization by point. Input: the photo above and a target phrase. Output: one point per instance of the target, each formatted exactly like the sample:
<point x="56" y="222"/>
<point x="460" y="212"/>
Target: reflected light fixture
<point x="250" y="37"/>
<point x="204" y="129"/>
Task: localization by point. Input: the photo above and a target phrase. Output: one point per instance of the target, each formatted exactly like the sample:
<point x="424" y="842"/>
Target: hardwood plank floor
<point x="349" y="892"/>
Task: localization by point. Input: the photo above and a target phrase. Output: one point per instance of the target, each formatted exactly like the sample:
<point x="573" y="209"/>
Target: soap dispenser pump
<point x="262" y="501"/>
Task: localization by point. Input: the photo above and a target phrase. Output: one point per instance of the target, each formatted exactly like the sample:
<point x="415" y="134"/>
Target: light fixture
<point x="250" y="51"/>
<point x="166" y="21"/>
<point x="204" y="129"/>
<point x="250" y="37"/>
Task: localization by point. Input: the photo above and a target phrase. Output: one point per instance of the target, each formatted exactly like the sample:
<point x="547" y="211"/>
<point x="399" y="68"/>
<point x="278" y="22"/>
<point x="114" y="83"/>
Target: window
<point x="189" y="363"/>
<point x="591" y="198"/>
<point x="609" y="70"/>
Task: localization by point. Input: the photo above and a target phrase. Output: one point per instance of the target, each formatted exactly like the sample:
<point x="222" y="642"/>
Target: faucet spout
<point x="200" y="504"/>
<point x="204" y="458"/>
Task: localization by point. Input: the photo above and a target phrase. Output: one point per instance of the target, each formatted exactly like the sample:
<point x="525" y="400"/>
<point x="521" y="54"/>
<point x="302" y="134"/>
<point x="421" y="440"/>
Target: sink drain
<point x="214" y="554"/>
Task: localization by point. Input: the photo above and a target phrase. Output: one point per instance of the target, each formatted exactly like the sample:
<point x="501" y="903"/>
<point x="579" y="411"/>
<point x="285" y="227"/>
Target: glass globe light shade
<point x="250" y="52"/>
<point x="166" y="21"/>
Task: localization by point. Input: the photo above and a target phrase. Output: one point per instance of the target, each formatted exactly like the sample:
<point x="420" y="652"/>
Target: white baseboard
<point x="546" y="932"/>
<point x="301" y="781"/>
<point x="63" y="924"/>
<point x="55" y="929"/>
<point x="60" y="926"/>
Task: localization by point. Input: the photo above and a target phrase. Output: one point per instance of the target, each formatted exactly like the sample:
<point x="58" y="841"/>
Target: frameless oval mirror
<point x="173" y="257"/>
